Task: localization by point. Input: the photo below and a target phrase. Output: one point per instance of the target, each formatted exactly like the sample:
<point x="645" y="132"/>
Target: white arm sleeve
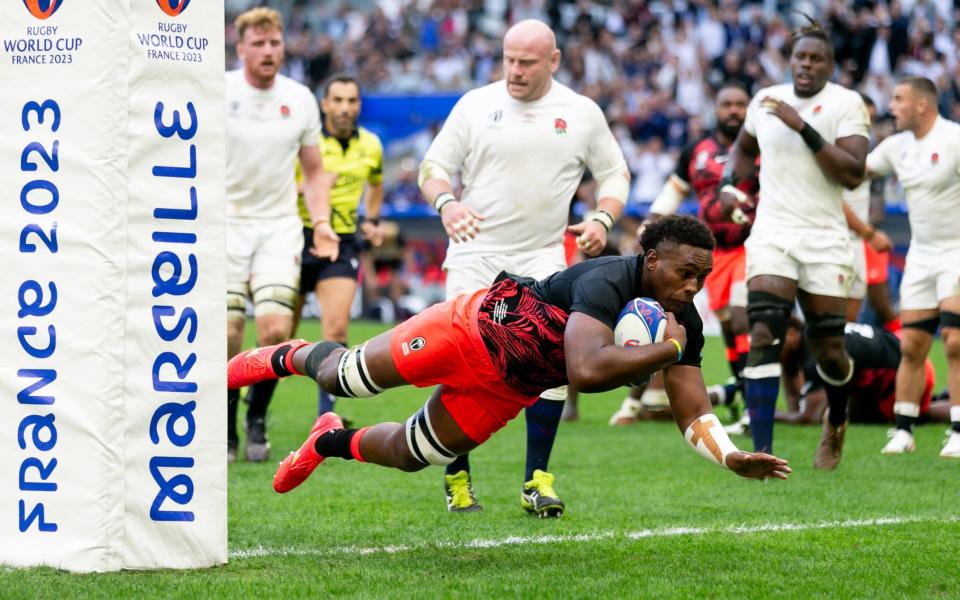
<point x="878" y="161"/>
<point x="671" y="196"/>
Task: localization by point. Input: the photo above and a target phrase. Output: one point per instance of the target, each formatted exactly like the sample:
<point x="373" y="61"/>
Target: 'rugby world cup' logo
<point x="42" y="9"/>
<point x="173" y="7"/>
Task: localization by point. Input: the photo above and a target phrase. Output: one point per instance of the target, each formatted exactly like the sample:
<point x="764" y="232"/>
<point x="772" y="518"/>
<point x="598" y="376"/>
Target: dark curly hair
<point x="679" y="230"/>
<point x="814" y="30"/>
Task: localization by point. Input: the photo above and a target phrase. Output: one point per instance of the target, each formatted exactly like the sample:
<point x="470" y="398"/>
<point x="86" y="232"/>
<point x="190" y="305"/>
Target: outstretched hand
<point x="757" y="465"/>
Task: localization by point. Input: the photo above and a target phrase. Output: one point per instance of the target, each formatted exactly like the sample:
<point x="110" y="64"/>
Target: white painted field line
<point x="261" y="551"/>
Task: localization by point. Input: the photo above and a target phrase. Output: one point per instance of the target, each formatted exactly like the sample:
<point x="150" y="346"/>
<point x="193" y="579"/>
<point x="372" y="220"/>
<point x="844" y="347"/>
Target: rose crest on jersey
<point x="560" y="126"/>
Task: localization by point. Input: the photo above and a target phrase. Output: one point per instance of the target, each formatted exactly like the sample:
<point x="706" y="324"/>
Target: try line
<point x="261" y="551"/>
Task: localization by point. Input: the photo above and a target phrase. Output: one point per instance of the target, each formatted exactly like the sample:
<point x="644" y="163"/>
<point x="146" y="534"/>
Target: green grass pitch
<point x="646" y="518"/>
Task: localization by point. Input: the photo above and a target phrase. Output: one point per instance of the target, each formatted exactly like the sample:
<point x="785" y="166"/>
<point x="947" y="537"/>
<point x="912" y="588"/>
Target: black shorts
<point x="313" y="269"/>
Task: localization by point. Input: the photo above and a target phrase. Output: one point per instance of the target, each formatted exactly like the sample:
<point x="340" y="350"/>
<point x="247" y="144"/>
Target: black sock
<point x="320" y="351"/>
<point x="233" y="399"/>
<point x="837" y="399"/>
<point x="955" y="426"/>
<point x="335" y="443"/>
<point x="461" y="463"/>
<point x="543" y="419"/>
<point x="259" y="395"/>
<point x="904" y="422"/>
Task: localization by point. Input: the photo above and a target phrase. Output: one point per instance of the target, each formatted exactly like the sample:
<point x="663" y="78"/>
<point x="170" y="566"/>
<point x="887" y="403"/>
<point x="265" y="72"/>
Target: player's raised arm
<point x="704" y="432"/>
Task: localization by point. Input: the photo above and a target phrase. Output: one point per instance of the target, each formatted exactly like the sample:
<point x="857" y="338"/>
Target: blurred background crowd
<point x="652" y="65"/>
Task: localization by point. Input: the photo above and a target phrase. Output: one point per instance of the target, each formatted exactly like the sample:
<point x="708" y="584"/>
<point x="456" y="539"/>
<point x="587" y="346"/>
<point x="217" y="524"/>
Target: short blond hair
<point x="260" y="16"/>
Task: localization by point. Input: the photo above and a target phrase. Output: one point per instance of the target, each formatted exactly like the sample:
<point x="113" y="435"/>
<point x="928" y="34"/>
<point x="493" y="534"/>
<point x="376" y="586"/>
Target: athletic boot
<point x="459" y="491"/>
<point x="538" y="496"/>
<point x="901" y="442"/>
<point x="295" y="468"/>
<point x="831" y="445"/>
<point x="261" y="364"/>
<point x="951" y="448"/>
<point x="256" y="447"/>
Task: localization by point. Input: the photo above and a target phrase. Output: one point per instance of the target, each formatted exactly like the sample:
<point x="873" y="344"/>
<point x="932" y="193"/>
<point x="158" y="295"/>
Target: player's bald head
<point x="532" y="35"/>
<point x="530" y="58"/>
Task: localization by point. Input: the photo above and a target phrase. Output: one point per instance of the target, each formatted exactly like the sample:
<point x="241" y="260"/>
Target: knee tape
<point x="928" y="325"/>
<point x="353" y="377"/>
<point x="236" y="304"/>
<point x="423" y="443"/>
<point x="274" y="299"/>
<point x="820" y="325"/>
<point x="771" y="310"/>
<point x="949" y="319"/>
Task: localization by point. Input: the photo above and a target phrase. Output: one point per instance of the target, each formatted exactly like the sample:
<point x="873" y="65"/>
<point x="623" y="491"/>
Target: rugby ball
<point x="641" y="322"/>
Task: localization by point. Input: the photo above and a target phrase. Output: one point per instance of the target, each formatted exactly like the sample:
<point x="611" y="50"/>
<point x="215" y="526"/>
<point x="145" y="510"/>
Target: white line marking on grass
<point x="261" y="551"/>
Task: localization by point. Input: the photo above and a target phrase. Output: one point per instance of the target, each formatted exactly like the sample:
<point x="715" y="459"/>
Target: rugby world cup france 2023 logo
<point x="42" y="9"/>
<point x="173" y="7"/>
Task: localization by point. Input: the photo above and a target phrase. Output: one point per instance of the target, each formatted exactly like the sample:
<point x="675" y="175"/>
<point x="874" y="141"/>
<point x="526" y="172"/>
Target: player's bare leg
<point x="769" y="305"/>
<point x="826" y="319"/>
<point x="335" y="296"/>
<point x="915" y="343"/>
<point x="950" y="331"/>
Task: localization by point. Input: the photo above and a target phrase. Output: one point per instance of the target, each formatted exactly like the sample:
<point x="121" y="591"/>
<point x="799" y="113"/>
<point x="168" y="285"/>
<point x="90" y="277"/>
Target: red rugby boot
<point x="261" y="364"/>
<point x="295" y="468"/>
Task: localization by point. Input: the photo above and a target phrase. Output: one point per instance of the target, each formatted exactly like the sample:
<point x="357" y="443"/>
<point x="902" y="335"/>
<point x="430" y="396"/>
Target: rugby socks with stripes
<point x="341" y="443"/>
<point x="543" y="419"/>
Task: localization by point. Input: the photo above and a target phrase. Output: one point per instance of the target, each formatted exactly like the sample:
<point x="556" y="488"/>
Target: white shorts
<point x="469" y="273"/>
<point x="930" y="276"/>
<point x="265" y="250"/>
<point x="820" y="263"/>
<point x="858" y="288"/>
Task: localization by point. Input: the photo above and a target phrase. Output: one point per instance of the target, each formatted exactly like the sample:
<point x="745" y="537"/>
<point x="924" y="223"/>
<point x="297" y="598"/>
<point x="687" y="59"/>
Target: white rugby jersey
<point x="265" y="130"/>
<point x="795" y="193"/>
<point x="929" y="170"/>
<point x="521" y="162"/>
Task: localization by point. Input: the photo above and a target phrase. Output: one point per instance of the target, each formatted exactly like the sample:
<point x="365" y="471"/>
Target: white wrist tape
<point x="604" y="218"/>
<point x="733" y="190"/>
<point x="442" y="199"/>
<point x="708" y="438"/>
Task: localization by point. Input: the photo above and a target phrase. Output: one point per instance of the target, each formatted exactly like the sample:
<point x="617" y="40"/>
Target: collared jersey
<point x="265" y="130"/>
<point x="795" y="193"/>
<point x="356" y="163"/>
<point x="929" y="170"/>
<point x="521" y="163"/>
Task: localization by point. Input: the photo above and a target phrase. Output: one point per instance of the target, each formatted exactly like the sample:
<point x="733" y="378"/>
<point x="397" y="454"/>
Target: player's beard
<point x="730" y="128"/>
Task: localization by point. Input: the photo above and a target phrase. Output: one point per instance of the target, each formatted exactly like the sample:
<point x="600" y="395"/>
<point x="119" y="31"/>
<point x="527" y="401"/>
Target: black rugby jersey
<point x="522" y="320"/>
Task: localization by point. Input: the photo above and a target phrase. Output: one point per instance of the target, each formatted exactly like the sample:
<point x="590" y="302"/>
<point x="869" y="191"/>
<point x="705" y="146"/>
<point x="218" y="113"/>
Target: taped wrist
<point x="443" y="199"/>
<point x="707" y="436"/>
<point x="604" y="218"/>
<point x="811" y="138"/>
